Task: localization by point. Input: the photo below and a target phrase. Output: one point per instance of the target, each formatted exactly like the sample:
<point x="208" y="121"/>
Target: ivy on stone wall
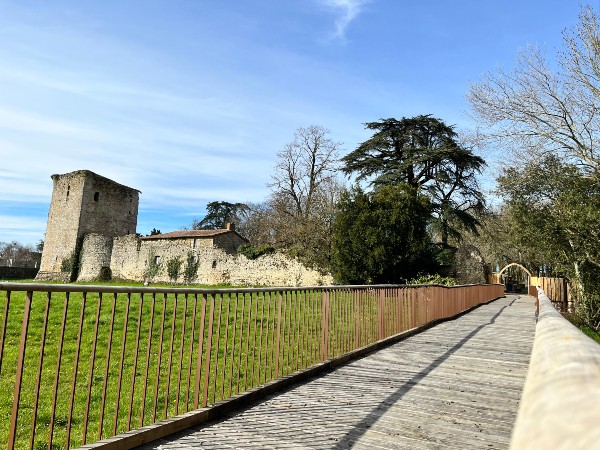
<point x="252" y="252"/>
<point x="152" y="267"/>
<point x="72" y="264"/>
<point x="173" y="268"/>
<point x="190" y="270"/>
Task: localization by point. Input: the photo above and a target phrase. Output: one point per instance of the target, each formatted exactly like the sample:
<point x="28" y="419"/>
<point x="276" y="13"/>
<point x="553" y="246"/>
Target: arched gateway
<point x="509" y="282"/>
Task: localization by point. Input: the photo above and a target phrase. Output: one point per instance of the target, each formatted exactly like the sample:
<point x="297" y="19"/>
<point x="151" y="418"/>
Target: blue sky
<point x="189" y="100"/>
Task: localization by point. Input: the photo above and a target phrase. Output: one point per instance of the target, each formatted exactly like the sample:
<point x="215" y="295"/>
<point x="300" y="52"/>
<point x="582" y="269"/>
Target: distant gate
<point x="559" y="290"/>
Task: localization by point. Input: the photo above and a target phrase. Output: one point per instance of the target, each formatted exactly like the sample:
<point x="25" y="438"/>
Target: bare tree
<point x="303" y="168"/>
<point x="16" y="254"/>
<point x="542" y="111"/>
<point x="552" y="118"/>
<point x="299" y="213"/>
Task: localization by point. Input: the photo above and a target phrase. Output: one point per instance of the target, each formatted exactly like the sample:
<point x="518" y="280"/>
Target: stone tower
<point x="82" y="203"/>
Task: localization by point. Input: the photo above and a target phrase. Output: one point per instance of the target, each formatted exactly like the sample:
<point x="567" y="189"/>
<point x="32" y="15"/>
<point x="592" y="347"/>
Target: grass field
<point x="162" y="337"/>
<point x="585" y="328"/>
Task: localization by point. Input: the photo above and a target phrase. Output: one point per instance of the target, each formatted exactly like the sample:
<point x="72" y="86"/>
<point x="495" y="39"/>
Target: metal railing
<point x="88" y="362"/>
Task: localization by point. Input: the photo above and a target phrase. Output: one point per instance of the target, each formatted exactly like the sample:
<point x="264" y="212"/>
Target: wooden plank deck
<point x="456" y="385"/>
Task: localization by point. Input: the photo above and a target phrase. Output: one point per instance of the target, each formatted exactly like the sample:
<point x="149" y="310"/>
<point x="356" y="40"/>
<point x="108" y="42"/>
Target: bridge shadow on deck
<point x="364" y="424"/>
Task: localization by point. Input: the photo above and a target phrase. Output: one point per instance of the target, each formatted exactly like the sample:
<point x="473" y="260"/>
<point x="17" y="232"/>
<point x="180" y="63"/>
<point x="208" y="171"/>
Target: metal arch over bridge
<point x="496" y="277"/>
<point x="518" y="265"/>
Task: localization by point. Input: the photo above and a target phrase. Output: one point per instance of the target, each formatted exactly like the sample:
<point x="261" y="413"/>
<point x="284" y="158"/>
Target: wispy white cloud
<point x="24" y="229"/>
<point x="346" y="11"/>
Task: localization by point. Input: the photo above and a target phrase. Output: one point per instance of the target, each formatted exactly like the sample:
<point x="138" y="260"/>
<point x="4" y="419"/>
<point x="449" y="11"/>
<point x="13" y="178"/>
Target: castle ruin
<point x="83" y="203"/>
<point x="91" y="235"/>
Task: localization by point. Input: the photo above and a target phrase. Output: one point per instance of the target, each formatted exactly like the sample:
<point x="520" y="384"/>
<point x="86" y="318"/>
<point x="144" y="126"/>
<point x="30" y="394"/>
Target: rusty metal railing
<point x="88" y="362"/>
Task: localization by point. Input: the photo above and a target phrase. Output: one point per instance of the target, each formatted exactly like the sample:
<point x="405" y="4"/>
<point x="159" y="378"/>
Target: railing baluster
<point x="279" y="301"/>
<point x="148" y="354"/>
<point x="355" y="298"/>
<point x="181" y="345"/>
<point x="191" y="353"/>
<point x="57" y="374"/>
<point x="170" y="364"/>
<point x="92" y="364"/>
<point x="75" y="369"/>
<point x="254" y="342"/>
<point x="200" y="352"/>
<point x="159" y="363"/>
<point x="135" y="361"/>
<point x="235" y="314"/>
<point x="288" y="330"/>
<point x="273" y="298"/>
<point x="247" y="343"/>
<point x="324" y="326"/>
<point x="349" y="322"/>
<point x="316" y="308"/>
<point x="39" y="371"/>
<point x="241" y="336"/>
<point x="305" y="330"/>
<point x="107" y="366"/>
<point x="225" y="347"/>
<point x="216" y="369"/>
<point x="19" y="374"/>
<point x="296" y="352"/>
<point x="122" y="360"/>
<point x="260" y="339"/>
<point x="208" y="350"/>
<point x="3" y="331"/>
<point x="268" y="347"/>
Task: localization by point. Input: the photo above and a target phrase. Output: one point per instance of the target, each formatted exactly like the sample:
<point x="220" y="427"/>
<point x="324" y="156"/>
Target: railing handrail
<point x="47" y="287"/>
<point x="561" y="398"/>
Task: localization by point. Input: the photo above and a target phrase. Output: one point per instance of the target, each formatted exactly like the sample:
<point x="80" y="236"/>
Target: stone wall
<point x="92" y="224"/>
<point x="13" y="273"/>
<point x="108" y="207"/>
<point x="218" y="267"/>
<point x="95" y="255"/>
<point x="62" y="229"/>
<point x="131" y="259"/>
<point x="229" y="242"/>
<point x="127" y="261"/>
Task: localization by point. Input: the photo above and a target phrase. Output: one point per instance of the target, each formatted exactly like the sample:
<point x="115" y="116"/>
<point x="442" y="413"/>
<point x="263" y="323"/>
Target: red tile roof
<point x="188" y="234"/>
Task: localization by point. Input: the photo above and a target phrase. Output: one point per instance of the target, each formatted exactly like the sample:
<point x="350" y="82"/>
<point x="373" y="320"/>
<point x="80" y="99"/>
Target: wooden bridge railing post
<point x="19" y="374"/>
<point x="381" y="315"/>
<point x="325" y="325"/>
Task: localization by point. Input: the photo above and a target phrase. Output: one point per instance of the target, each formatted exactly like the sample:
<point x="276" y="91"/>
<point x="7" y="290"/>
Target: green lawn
<point x="242" y="354"/>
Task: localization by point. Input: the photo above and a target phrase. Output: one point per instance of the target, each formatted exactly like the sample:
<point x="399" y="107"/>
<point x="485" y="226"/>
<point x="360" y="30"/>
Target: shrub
<point x="152" y="267"/>
<point x="252" y="252"/>
<point x="71" y="264"/>
<point x="433" y="279"/>
<point x="190" y="270"/>
<point x="173" y="268"/>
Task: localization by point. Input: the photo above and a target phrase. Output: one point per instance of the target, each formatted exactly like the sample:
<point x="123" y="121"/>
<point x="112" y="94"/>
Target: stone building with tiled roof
<point x="227" y="239"/>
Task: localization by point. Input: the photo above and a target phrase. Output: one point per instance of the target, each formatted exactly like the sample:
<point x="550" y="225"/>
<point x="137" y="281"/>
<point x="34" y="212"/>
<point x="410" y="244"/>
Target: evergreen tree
<point x="425" y="154"/>
<point x="381" y="236"/>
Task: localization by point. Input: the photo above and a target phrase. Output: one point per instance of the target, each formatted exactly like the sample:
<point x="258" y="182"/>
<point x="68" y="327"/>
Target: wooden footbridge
<point x="323" y="367"/>
<point x="456" y="385"/>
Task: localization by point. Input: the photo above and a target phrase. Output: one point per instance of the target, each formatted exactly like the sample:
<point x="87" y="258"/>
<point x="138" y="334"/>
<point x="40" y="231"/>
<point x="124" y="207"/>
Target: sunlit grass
<point x="243" y="352"/>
